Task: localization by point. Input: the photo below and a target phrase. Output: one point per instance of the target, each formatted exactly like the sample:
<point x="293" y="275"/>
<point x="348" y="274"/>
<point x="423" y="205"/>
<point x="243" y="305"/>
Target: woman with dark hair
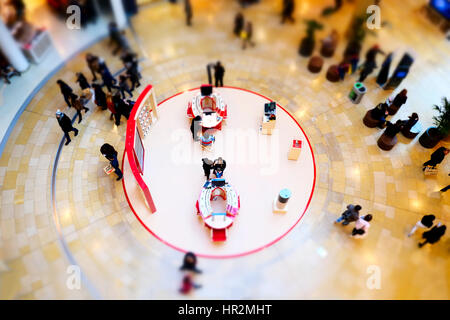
<point x="82" y="81"/>
<point x="190" y="263"/>
<point x="380" y="113"/>
<point x="66" y="91"/>
<point x="110" y="153"/>
<point x="393" y="129"/>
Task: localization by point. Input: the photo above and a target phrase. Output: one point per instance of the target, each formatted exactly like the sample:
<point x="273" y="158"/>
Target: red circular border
<point x="244" y="253"/>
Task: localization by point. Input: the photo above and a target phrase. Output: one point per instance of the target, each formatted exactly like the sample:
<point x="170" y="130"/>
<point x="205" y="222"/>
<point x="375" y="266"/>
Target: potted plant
<point x="431" y="137"/>
<point x="307" y="44"/>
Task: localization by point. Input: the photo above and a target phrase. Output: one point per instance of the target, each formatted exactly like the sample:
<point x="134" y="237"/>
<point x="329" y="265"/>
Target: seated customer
<point x="393" y="129"/>
<point x="408" y="124"/>
<point x="380" y="113"/>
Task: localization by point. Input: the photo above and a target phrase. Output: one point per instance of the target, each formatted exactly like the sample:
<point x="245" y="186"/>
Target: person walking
<point x="247" y="35"/>
<point x="399" y="100"/>
<point x="92" y="62"/>
<point x="188" y="285"/>
<point x="384" y="72"/>
<point x="207" y="166"/>
<point x="190" y="263"/>
<point x="288" y="10"/>
<point x="238" y="24"/>
<point x="426" y="222"/>
<point x="66" y="91"/>
<point x="436" y="157"/>
<point x="78" y="105"/>
<point x="124" y="87"/>
<point x="362" y="226"/>
<point x="219" y="72"/>
<point x="66" y="125"/>
<point x="196" y="126"/>
<point x="209" y="67"/>
<point x="82" y="81"/>
<point x="100" y="96"/>
<point x="108" y="80"/>
<point x="434" y="235"/>
<point x="110" y="154"/>
<point x="111" y="106"/>
<point x="134" y="76"/>
<point x="122" y="108"/>
<point x="188" y="12"/>
<point x="370" y="64"/>
<point x="349" y="215"/>
<point x="118" y="38"/>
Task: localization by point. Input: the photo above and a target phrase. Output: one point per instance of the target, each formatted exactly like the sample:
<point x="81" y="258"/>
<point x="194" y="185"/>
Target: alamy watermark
<point x="373" y="282"/>
<point x="374" y="20"/>
<point x="73" y="281"/>
<point x="73" y="21"/>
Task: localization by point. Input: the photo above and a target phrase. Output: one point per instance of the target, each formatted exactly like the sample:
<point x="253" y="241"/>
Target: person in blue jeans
<point x="111" y="154"/>
<point x="349" y="215"/>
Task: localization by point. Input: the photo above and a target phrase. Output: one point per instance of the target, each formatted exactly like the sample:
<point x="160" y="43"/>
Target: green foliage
<point x="442" y="120"/>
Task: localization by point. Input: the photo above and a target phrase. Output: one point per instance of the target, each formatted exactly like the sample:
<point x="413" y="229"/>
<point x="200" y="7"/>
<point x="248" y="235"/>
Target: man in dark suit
<point x="66" y="125"/>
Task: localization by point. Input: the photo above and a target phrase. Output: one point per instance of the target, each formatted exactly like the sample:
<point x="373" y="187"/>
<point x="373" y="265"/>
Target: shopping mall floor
<point x="93" y="226"/>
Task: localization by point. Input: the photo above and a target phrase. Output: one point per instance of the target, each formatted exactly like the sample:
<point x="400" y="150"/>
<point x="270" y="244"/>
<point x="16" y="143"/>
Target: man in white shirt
<point x="362" y="226"/>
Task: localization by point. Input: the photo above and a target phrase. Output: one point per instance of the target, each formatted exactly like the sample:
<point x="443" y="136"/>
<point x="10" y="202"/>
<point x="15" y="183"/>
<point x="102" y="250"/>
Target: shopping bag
<point x="108" y="169"/>
<point x="430" y="171"/>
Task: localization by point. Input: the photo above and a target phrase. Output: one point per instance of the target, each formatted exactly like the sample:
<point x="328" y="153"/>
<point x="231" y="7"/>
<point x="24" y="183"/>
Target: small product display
<point x="269" y="118"/>
<point x="280" y="204"/>
<point x="295" y="150"/>
<point x="218" y="222"/>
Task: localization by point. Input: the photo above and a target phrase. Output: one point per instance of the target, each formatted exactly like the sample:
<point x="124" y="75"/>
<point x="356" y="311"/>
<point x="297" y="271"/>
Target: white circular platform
<point x="257" y="166"/>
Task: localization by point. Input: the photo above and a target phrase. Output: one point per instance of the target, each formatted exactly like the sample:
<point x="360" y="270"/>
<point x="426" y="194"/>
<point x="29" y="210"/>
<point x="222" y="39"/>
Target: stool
<point x="315" y="64"/>
<point x="413" y="132"/>
<point x="328" y="49"/>
<point x="369" y="121"/>
<point x="386" y="143"/>
<point x="333" y="73"/>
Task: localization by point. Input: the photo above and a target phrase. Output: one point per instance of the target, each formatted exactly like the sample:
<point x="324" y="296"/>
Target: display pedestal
<point x="275" y="208"/>
<point x="268" y="125"/>
<point x="295" y="150"/>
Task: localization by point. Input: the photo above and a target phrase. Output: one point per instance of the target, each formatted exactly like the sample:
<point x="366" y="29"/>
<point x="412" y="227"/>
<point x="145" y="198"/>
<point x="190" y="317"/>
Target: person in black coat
<point x="121" y="106"/>
<point x="66" y="125"/>
<point x="238" y="24"/>
<point x="111" y="154"/>
<point x="66" y="91"/>
<point x="370" y="64"/>
<point x="100" y="96"/>
<point x="393" y="129"/>
<point x="188" y="12"/>
<point x="380" y="113"/>
<point x="288" y="10"/>
<point x="117" y="37"/>
<point x="219" y="72"/>
<point x="82" y="81"/>
<point x="207" y="166"/>
<point x="124" y="87"/>
<point x="93" y="64"/>
<point x="190" y="263"/>
<point x="108" y="79"/>
<point x="412" y="120"/>
<point x="433" y="235"/>
<point x="196" y="126"/>
<point x="219" y="167"/>
<point x="436" y="157"/>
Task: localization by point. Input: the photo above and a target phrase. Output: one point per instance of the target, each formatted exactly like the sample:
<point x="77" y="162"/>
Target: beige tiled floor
<point x="317" y="259"/>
